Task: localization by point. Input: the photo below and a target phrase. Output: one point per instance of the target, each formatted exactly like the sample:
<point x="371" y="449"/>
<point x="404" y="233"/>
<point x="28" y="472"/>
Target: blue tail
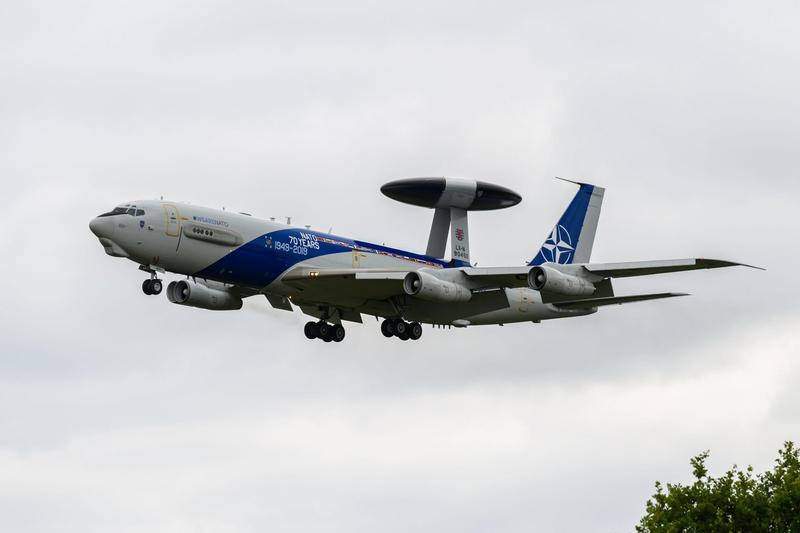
<point x="572" y="238"/>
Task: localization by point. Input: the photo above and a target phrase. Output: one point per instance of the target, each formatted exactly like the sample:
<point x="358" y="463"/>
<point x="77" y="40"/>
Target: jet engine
<point x="199" y="295"/>
<point x="425" y="286"/>
<point x="544" y="278"/>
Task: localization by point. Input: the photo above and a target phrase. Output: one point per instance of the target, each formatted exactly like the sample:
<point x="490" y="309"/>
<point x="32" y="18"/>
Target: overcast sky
<point x="120" y="412"/>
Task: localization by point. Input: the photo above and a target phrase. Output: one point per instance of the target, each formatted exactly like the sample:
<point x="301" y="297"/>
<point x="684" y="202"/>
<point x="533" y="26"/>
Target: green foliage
<point x="738" y="501"/>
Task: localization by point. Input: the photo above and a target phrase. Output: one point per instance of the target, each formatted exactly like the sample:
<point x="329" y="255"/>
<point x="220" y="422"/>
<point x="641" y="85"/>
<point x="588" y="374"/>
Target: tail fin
<point x="572" y="238"/>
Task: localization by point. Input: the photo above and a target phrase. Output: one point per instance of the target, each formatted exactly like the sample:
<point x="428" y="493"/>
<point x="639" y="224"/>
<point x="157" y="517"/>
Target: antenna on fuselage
<point x="451" y="199"/>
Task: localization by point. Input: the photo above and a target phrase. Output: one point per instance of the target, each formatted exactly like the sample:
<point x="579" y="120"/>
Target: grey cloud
<point x="130" y="414"/>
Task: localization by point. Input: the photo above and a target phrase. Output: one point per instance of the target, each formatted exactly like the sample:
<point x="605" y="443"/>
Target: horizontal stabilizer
<point x="646" y="268"/>
<point x="616" y="300"/>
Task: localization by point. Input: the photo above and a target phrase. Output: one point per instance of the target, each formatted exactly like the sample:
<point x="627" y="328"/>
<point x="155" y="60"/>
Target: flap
<point x="346" y="284"/>
<point x="498" y="277"/>
<point x="616" y="300"/>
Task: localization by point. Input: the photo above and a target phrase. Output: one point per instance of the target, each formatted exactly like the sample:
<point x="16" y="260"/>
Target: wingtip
<point x="716" y="263"/>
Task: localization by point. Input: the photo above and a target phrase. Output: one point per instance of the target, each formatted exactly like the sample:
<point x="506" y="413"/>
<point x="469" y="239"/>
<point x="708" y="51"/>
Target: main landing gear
<point x="395" y="327"/>
<point x="323" y="330"/>
<point x="152" y="286"/>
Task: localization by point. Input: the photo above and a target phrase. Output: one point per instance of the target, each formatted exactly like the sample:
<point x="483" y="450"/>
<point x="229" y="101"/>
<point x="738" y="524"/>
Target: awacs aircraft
<point x="229" y="256"/>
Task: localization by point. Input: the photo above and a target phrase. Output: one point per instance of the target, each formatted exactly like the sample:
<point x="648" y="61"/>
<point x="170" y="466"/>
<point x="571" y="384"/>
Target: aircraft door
<point x="172" y="221"/>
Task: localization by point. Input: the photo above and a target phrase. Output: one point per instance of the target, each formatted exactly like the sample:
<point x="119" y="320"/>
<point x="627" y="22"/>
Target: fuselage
<point x="252" y="253"/>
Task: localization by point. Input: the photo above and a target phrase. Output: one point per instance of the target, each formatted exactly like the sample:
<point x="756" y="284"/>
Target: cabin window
<point x="202" y="231"/>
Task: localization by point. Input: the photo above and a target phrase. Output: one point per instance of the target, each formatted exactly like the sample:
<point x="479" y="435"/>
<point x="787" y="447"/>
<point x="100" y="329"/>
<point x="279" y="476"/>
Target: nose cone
<point x="102" y="227"/>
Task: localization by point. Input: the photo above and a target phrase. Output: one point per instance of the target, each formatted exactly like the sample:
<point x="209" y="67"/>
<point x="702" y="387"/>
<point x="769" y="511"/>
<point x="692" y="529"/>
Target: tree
<point x="737" y="501"/>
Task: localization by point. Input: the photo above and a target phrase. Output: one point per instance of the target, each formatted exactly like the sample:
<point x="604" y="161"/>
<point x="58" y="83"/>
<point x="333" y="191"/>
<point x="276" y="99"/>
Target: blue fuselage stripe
<point x="261" y="261"/>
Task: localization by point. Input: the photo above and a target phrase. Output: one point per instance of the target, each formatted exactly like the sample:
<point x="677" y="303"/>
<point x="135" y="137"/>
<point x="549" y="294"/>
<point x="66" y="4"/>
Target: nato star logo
<point x="558" y="246"/>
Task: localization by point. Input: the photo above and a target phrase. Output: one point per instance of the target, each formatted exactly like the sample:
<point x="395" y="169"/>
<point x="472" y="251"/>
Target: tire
<point x="324" y="331"/>
<point x="146" y="287"/>
<point x="156" y="286"/>
<point x="310" y="330"/>
<point x="326" y="339"/>
<point x="414" y="331"/>
<point x="400" y="327"/>
<point x="387" y="328"/>
<point x="337" y="332"/>
<point x="402" y="336"/>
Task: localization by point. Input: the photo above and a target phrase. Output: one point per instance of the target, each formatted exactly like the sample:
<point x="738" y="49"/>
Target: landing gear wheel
<point x="337" y="333"/>
<point x="403" y="336"/>
<point x="152" y="286"/>
<point x="387" y="328"/>
<point x="311" y="330"/>
<point x="414" y="331"/>
<point x="400" y="327"/>
<point x="324" y="331"/>
<point x="156" y="286"/>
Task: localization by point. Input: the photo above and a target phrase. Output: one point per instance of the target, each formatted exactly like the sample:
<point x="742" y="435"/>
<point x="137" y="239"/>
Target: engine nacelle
<point x="544" y="278"/>
<point x="198" y="295"/>
<point x="425" y="286"/>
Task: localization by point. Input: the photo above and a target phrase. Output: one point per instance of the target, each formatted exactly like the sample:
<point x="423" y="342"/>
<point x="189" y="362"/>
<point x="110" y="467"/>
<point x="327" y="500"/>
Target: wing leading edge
<point x="647" y="268"/>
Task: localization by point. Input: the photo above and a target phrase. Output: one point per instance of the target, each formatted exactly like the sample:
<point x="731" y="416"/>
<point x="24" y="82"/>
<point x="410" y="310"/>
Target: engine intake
<point x="199" y="295"/>
<point x="544" y="278"/>
<point x="426" y="286"/>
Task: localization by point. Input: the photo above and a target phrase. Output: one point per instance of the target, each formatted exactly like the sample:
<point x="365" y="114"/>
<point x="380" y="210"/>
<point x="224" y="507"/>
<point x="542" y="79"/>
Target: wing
<point x="370" y="291"/>
<point x="348" y="292"/>
<point x="496" y="277"/>
<point x="646" y="268"/>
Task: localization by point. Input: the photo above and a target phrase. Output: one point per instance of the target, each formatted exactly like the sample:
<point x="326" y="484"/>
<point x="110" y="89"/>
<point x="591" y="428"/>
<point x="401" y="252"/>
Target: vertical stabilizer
<point x="572" y="238"/>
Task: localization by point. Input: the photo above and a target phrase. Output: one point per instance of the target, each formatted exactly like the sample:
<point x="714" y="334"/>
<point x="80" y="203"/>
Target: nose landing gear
<point x="324" y="331"/>
<point x="400" y="329"/>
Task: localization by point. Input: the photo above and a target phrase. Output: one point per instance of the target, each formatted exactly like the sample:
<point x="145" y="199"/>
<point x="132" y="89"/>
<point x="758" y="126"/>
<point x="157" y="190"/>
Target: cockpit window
<point x="125" y="210"/>
<point x="115" y="211"/>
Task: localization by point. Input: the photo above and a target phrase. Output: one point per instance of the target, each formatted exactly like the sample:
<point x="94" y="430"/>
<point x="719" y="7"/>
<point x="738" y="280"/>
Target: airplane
<point x="228" y="256"/>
